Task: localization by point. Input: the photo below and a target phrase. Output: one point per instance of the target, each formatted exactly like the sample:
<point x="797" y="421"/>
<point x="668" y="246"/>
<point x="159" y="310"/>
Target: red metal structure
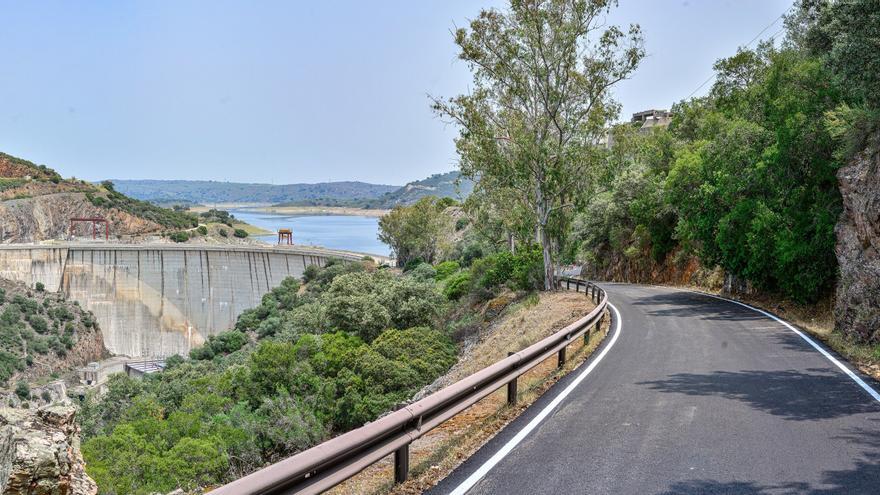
<point x="285" y="235"/>
<point x="94" y="221"/>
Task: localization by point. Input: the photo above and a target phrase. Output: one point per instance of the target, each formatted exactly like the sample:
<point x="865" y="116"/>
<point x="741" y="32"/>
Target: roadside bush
<point x="240" y="233"/>
<point x="223" y="233"/>
<point x="203" y="230"/>
<point x="40" y="287"/>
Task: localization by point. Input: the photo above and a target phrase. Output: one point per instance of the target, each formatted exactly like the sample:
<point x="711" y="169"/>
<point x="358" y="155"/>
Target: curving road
<point x="695" y="395"/>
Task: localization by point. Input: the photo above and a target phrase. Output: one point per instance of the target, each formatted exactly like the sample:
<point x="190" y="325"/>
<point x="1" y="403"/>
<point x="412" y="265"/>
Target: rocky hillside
<point x="39" y="452"/>
<point x="857" y="310"/>
<point x="36" y="204"/>
<point x="42" y="333"/>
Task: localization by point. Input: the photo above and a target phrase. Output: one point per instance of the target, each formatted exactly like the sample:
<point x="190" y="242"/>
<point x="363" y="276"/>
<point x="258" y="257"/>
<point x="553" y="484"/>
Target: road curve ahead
<point x="696" y="396"/>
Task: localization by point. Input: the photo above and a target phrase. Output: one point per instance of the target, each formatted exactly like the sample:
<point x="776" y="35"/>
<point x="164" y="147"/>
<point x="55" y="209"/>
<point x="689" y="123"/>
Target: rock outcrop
<point x="39" y="453"/>
<point x="37" y="218"/>
<point x="857" y="308"/>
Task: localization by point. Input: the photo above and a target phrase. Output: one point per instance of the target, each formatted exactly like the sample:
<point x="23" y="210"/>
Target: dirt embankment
<point x="47" y="216"/>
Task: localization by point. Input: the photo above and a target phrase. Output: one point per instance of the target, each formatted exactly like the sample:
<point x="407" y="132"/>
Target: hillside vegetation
<point x="42" y="333"/>
<point x="309" y="362"/>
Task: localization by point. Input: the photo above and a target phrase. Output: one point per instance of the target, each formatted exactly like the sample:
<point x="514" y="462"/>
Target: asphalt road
<point x="695" y="396"/>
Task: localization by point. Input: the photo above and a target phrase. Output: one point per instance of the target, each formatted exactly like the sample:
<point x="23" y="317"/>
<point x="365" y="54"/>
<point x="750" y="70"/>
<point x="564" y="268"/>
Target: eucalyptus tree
<point x="543" y="71"/>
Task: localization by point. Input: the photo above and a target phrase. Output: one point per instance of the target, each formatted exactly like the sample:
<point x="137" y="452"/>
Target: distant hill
<point x="207" y="192"/>
<point x="441" y="185"/>
<point x="351" y="194"/>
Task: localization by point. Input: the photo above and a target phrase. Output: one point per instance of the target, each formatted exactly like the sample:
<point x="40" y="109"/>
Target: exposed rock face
<point x="687" y="271"/>
<point x="48" y="216"/>
<point x="857" y="309"/>
<point x="39" y="453"/>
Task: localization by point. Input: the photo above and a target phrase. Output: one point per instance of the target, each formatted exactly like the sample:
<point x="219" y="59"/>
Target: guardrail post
<point x="511" y="389"/>
<point x="401" y="464"/>
<point x="561" y="358"/>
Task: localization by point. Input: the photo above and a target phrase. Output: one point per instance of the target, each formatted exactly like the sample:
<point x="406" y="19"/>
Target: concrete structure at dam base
<point x="159" y="300"/>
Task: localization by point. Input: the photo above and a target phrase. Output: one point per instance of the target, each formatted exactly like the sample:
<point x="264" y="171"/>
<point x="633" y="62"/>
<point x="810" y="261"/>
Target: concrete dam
<point x="160" y="300"/>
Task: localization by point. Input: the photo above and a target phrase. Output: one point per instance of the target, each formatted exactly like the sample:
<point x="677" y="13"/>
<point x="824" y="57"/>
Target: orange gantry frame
<point x="285" y="235"/>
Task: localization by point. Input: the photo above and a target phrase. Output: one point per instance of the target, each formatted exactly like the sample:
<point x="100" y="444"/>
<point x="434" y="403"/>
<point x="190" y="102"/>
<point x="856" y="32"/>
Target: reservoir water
<point x="348" y="232"/>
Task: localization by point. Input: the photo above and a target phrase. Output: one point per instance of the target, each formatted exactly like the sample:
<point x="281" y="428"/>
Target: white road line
<point x="873" y="393"/>
<point x="513" y="442"/>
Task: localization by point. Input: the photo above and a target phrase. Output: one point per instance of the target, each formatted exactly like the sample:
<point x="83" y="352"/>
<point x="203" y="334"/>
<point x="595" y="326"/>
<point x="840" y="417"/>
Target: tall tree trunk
<point x="544" y="239"/>
<point x="546" y="248"/>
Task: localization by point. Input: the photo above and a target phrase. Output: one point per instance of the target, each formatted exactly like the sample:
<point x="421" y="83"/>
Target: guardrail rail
<point x="328" y="464"/>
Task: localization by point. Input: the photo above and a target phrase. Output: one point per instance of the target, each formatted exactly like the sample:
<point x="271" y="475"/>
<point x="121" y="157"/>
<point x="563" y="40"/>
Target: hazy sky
<point x="287" y="91"/>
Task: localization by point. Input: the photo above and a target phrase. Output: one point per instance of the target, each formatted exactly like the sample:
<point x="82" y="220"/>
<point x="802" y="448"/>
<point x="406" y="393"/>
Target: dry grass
<point x="441" y="450"/>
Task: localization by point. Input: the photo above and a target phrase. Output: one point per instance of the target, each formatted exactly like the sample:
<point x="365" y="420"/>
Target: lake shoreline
<point x="295" y="210"/>
<point x="318" y="210"/>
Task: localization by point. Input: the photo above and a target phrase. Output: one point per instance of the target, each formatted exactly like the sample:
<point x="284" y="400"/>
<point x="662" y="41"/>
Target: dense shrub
<point x="179" y="236"/>
<point x="222" y="343"/>
<point x="423" y="271"/>
<point x="22" y="390"/>
<point x="203" y="230"/>
<point x="457" y="285"/>
<point x="445" y="269"/>
<point x="240" y="233"/>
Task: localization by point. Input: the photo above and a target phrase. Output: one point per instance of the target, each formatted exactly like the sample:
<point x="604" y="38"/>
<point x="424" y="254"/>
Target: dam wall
<point x="160" y="300"/>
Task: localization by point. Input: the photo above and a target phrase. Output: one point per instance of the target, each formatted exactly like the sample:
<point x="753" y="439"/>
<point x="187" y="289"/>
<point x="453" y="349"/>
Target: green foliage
<point x="445" y="269"/>
<point x="237" y="404"/>
<point x="163" y="216"/>
<point x="744" y="179"/>
<point x="223" y="233"/>
<point x="40" y="287"/>
<point x="523" y="270"/>
<point x="179" y="236"/>
<point x="203" y="230"/>
<point x="240" y="233"/>
<point x="222" y="343"/>
<point x="423" y="271"/>
<point x="29" y="327"/>
<point x="22" y="390"/>
<point x="457" y="285"/>
<point x="535" y="106"/>
<point x="217" y="216"/>
<point x="413" y="232"/>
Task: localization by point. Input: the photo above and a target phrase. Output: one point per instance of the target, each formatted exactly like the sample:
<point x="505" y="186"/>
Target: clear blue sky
<point x="283" y="91"/>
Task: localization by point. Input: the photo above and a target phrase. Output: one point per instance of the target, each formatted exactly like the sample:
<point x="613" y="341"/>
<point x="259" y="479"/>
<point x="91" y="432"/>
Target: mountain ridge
<point x="340" y="193"/>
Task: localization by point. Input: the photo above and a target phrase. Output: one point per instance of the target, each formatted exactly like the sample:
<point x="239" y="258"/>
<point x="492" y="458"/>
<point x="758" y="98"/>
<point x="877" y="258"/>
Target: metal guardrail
<point x="334" y="461"/>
